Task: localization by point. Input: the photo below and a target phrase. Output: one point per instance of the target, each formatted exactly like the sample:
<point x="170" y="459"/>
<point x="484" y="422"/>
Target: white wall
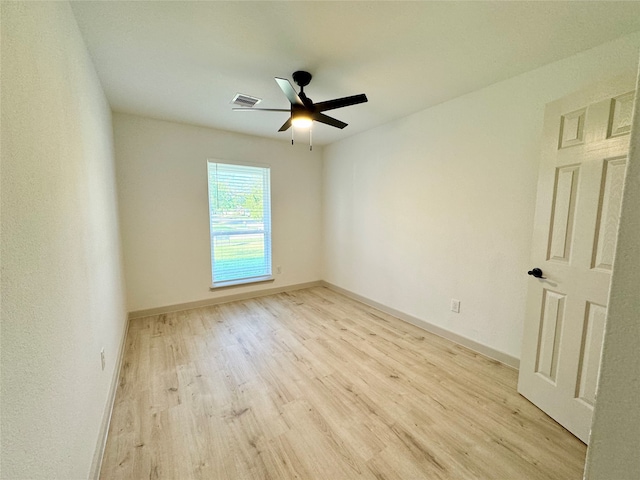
<point x="62" y="284"/>
<point x="614" y="448"/>
<point x="440" y="204"/>
<point x="162" y="184"/>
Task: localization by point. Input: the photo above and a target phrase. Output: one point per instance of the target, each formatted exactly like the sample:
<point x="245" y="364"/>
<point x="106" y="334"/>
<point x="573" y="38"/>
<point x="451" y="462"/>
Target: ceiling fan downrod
<point x="302" y="79"/>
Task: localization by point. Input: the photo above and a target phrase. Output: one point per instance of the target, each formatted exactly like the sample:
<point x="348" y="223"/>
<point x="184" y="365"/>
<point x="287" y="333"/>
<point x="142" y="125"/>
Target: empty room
<point x="320" y="240"/>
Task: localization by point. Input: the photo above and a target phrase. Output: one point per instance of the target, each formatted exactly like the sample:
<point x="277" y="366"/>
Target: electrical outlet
<point x="278" y="269"/>
<point x="455" y="305"/>
<point x="102" y="360"/>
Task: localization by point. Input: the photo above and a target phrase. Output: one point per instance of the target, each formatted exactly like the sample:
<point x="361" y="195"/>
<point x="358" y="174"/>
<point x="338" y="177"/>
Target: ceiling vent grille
<point x="245" y="100"/>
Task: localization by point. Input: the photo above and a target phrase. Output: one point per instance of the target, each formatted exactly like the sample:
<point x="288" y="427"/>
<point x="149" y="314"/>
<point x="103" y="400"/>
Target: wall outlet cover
<point x="455" y="305"/>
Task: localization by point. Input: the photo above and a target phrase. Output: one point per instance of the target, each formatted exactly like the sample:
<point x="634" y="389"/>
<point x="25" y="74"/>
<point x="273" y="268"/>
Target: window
<point x="240" y="223"/>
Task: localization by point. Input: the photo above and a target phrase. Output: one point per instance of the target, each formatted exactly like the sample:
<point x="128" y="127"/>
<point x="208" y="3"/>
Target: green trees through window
<point x="240" y="222"/>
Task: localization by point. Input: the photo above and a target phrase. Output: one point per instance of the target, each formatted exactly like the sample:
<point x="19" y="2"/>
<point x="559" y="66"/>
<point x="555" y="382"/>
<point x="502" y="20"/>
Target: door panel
<point x="549" y="336"/>
<point x="608" y="213"/>
<point x="564" y="205"/>
<point x="590" y="352"/>
<point x="585" y="146"/>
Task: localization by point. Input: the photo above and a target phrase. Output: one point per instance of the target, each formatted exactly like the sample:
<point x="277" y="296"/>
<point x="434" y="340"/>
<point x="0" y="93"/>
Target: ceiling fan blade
<point x="322" y="118"/>
<point x="289" y="91"/>
<point x="340" y="102"/>
<point x="286" y="125"/>
<point x="249" y="109"/>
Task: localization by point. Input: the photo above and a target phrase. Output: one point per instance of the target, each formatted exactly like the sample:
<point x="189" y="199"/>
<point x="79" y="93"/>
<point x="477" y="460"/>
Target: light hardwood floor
<point x="313" y="385"/>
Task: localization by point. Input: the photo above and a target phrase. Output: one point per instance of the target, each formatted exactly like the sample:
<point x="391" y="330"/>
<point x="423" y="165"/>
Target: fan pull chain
<point x="292" y="135"/>
<point x="310" y="139"/>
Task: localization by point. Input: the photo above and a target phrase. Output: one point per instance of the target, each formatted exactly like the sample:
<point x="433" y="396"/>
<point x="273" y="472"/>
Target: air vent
<point x="245" y="100"/>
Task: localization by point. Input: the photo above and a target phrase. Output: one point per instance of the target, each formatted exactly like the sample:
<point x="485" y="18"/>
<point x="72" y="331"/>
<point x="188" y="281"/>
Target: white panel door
<point x="584" y="153"/>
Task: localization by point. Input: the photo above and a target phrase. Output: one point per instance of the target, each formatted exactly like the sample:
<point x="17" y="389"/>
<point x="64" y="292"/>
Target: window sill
<point x="244" y="281"/>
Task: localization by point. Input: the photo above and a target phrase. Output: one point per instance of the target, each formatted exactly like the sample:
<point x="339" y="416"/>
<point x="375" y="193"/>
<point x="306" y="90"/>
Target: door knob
<point x="536" y="272"/>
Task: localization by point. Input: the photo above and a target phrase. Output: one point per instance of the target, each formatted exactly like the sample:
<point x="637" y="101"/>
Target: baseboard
<point x="480" y="348"/>
<point x="218" y="300"/>
<point x="106" y="420"/>
<point x="485" y="350"/>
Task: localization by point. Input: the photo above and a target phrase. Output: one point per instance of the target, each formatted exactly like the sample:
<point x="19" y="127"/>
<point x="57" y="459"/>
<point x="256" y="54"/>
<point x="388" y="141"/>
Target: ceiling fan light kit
<point x="301" y="122"/>
<point x="303" y="111"/>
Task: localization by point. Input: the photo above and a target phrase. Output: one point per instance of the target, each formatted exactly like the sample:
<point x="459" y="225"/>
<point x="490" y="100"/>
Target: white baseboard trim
<point x="485" y="350"/>
<point x="96" y="464"/>
<point x="218" y="300"/>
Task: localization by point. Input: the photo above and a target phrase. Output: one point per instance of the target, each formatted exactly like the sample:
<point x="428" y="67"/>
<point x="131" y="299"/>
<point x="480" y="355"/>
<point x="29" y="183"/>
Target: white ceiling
<point x="185" y="61"/>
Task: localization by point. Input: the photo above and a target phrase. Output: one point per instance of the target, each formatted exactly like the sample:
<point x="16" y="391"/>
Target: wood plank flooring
<point x="313" y="385"/>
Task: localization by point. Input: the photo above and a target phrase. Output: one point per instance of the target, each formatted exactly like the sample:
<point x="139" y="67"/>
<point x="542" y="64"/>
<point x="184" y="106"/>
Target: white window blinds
<point x="240" y="223"/>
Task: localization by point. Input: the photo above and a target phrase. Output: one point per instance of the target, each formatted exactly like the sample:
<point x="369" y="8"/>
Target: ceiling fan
<point x="303" y="110"/>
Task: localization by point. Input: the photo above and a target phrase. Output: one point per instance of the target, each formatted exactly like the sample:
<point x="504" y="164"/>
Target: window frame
<point x="266" y="231"/>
